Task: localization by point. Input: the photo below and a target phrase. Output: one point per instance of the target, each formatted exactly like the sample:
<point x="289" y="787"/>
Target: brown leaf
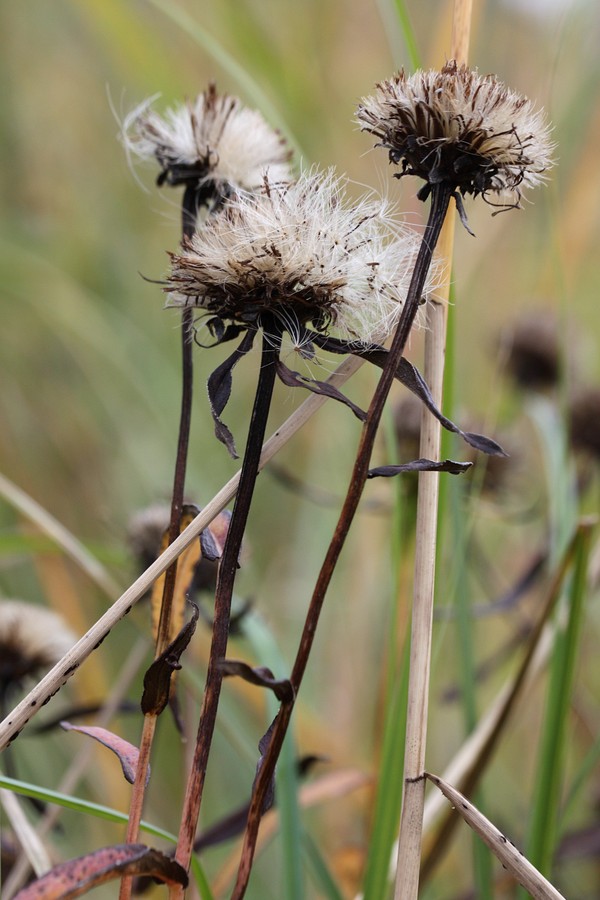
<point x="78" y="876"/>
<point x="261" y="676"/>
<point x="126" y="752"/>
<point x="186" y="565"/>
<point x="421" y="465"/>
<point x="157" y="680"/>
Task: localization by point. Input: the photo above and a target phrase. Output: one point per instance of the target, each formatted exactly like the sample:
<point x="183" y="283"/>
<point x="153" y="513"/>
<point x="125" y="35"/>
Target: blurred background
<point x="89" y="398"/>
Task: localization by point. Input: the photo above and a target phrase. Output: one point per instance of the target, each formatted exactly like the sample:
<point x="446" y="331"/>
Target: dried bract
<point x="302" y="255"/>
<point x="214" y="141"/>
<point x="32" y="640"/>
<point x="461" y="128"/>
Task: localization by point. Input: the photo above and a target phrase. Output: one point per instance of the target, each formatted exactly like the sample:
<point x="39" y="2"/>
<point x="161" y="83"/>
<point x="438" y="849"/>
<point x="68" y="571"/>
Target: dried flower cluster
<point x="214" y="141"/>
<point x="303" y="255"/>
<point x="459" y="127"/>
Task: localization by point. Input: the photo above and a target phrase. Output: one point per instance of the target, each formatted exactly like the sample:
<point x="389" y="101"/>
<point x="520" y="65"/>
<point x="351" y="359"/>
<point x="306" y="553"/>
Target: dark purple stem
<point x="188" y="224"/>
<point x="440" y="199"/>
<point x="224" y="590"/>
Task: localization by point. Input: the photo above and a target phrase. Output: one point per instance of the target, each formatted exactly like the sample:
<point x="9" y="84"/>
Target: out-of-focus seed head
<point x="584" y="422"/>
<point x="32" y="640"/>
<point x="532" y="349"/>
<point x="213" y="141"/>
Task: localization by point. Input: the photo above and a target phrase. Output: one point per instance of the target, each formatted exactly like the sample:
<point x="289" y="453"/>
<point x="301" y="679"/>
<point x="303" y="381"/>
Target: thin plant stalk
<point x="440" y="199"/>
<point x="163" y="636"/>
<point x="66" y="667"/>
<point x="411" y="822"/>
<point x="223" y="595"/>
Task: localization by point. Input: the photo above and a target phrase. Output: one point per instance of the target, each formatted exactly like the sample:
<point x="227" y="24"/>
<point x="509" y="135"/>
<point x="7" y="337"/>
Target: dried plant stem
<point x="411" y="823"/>
<point x="223" y="595"/>
<point x="66" y="667"/>
<point x="440" y="199"/>
<point x="188" y="224"/>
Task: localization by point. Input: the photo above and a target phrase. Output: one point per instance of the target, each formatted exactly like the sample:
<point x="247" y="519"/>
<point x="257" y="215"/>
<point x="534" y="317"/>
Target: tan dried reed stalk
<point x="411" y="824"/>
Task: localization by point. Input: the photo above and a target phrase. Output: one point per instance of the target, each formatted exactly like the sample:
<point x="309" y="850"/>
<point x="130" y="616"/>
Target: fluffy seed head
<point x="299" y="252"/>
<point x="214" y="141"/>
<point x="459" y="127"/>
<point x="32" y="640"/>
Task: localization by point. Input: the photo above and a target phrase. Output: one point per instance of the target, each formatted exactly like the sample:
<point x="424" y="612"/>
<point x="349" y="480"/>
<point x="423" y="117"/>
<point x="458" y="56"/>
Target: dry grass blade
<point x="511" y="858"/>
<point x="40" y="517"/>
<point x="26" y="834"/>
<point x="471" y="761"/>
<point x="66" y="667"/>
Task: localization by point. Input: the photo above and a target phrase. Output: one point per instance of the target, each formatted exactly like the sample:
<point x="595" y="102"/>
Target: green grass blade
<point x="388" y="799"/>
<point x="102" y="812"/>
<point x="75" y="803"/>
<point x="241" y="76"/>
<point x="545" y="817"/>
<point x="320" y="870"/>
<point x="408" y="33"/>
<point x="267" y="652"/>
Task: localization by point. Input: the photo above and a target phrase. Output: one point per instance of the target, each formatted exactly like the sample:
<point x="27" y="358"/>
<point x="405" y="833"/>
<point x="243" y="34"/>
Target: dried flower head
<point x="301" y="255"/>
<point x="214" y="142"/>
<point x="32" y="640"/>
<point x="461" y="128"/>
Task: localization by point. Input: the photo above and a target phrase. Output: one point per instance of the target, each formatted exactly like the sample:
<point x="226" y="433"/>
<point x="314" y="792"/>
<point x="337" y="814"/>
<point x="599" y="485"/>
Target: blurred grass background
<point x="90" y="377"/>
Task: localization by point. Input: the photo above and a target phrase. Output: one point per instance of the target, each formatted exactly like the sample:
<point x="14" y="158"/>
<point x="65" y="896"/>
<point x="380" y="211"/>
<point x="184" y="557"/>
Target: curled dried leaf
<point x="421" y="465"/>
<point x="127" y="754"/>
<point x="157" y="680"/>
<point x="78" y="876"/>
<point x="261" y="676"/>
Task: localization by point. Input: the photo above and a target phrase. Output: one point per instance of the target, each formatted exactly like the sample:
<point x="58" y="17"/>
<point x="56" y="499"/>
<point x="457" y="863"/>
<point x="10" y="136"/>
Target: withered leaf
<point x="212" y="539"/>
<point x="186" y="565"/>
<point x="157" y="679"/>
<point x="127" y="754"/>
<point x="219" y="390"/>
<point x="78" y="876"/>
<point x="261" y="676"/>
<point x="421" y="465"/>
<point x="294" y="379"/>
<point x="411" y="378"/>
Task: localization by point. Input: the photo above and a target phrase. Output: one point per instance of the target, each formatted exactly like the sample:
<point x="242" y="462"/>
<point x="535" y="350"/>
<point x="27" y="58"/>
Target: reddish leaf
<point x="78" y="876"/>
<point x="212" y="539"/>
<point x="127" y="753"/>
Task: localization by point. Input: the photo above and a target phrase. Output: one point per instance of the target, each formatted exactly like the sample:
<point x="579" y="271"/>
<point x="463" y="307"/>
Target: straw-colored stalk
<point x="411" y="824"/>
